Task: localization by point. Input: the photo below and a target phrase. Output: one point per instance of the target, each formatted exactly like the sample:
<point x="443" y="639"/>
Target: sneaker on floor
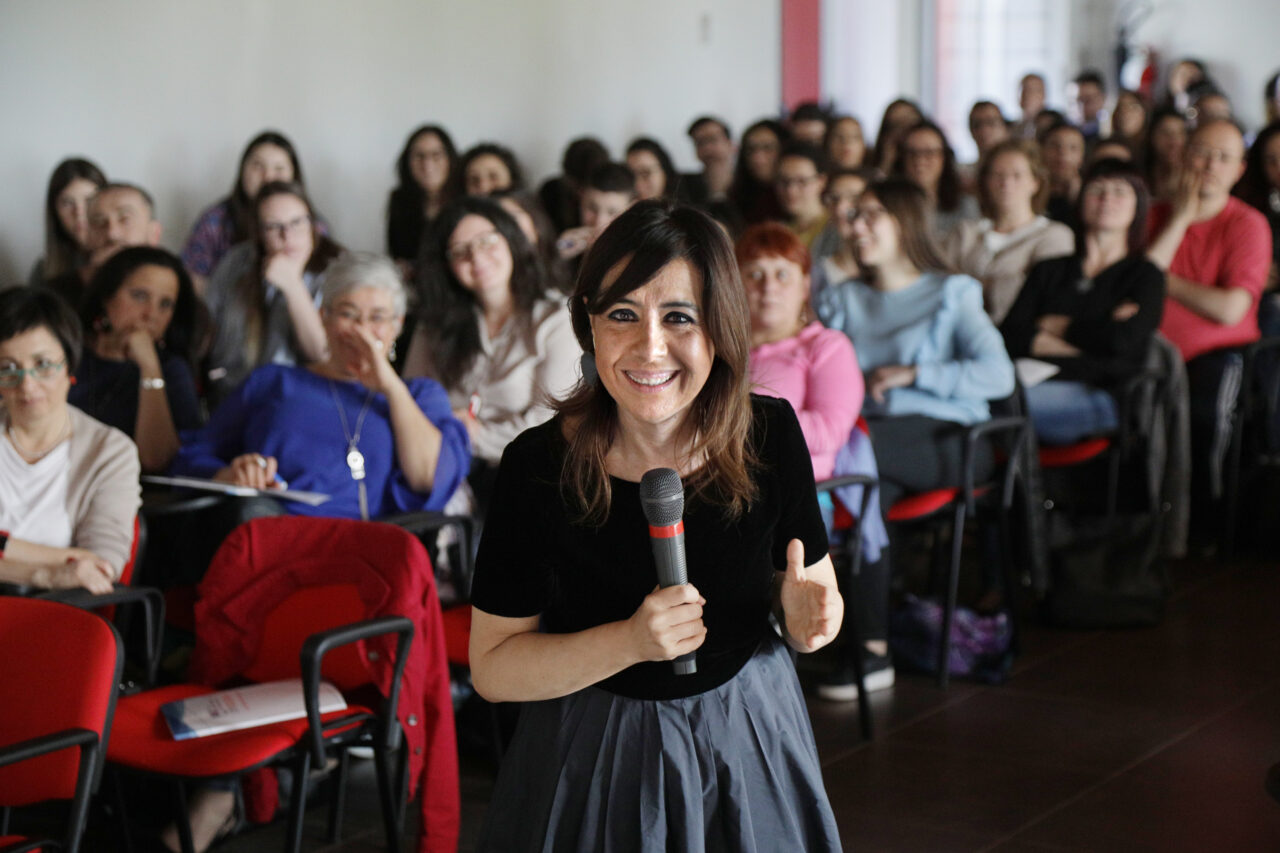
<point x="841" y="686"/>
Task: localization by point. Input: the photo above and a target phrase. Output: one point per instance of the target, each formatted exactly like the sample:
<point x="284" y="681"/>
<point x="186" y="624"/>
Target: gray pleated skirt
<point x="731" y="769"/>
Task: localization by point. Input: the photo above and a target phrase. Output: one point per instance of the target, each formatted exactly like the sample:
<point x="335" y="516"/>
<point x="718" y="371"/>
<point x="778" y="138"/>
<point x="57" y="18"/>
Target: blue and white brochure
<point x="244" y="708"/>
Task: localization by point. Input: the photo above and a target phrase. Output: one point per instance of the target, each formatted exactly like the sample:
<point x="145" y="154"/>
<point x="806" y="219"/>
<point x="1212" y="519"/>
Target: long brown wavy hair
<point x="631" y="251"/>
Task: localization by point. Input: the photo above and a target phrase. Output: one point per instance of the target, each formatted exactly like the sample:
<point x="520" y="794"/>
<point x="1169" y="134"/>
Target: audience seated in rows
<point x="802" y="178"/>
<point x="925" y="157"/>
<point x="845" y="144"/>
<point x="752" y="192"/>
<point x="714" y="148"/>
<point x="1162" y="153"/>
<point x="606" y="192"/>
<point x="489" y="167"/>
<point x="489" y="330"/>
<point x="793" y="356"/>
<point x="69" y="489"/>
<point x="901" y="115"/>
<point x="834" y="253"/>
<point x="1091" y="313"/>
<point x="1216" y="251"/>
<point x="1031" y="103"/>
<point x="120" y="215"/>
<point x="655" y="174"/>
<point x="264" y="293"/>
<point x="269" y="157"/>
<point x="135" y="373"/>
<point x="1013" y="233"/>
<point x="66" y="219"/>
<point x="346" y="425"/>
<point x="1063" y="149"/>
<point x="561" y="196"/>
<point x="428" y="178"/>
<point x="1091" y="104"/>
<point x="932" y="360"/>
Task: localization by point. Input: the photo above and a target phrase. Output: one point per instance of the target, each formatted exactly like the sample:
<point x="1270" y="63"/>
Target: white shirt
<point x="33" y="498"/>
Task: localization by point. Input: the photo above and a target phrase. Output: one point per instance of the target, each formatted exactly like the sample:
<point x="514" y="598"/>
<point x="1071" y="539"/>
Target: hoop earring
<point x="391" y="353"/>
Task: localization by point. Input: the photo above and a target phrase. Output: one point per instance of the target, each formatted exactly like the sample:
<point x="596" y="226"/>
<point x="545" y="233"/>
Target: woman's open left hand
<point x="813" y="611"/>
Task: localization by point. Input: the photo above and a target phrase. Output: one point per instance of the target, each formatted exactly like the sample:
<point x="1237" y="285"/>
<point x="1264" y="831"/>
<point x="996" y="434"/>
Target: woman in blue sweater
<point x="931" y="358"/>
<point x="346" y="426"/>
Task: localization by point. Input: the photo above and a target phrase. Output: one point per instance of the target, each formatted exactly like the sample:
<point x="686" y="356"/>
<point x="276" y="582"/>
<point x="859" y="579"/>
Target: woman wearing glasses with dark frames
<point x="68" y="484"/>
<point x="489" y="329"/>
<point x="264" y="295"/>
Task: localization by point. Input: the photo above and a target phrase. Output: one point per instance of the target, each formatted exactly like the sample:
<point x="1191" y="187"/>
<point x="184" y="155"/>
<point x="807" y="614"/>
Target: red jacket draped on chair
<point x="263" y="562"/>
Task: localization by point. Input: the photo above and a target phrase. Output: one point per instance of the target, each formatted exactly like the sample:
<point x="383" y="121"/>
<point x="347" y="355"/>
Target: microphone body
<point x="662" y="498"/>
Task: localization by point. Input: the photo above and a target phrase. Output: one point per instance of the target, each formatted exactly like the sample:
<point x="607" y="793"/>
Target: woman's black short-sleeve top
<point x="535" y="558"/>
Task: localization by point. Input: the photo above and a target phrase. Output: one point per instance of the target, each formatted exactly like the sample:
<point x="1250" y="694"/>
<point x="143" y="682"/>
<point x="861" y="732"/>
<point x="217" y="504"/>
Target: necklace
<point x="31" y="456"/>
<point x="355" y="459"/>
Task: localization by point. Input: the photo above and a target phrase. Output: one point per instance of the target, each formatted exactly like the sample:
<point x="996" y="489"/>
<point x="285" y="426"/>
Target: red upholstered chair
<point x="59" y="666"/>
<point x="954" y="506"/>
<point x="294" y="596"/>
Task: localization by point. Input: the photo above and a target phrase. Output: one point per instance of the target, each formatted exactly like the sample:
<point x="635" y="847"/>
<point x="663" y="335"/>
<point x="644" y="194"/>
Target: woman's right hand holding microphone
<point x="668" y="623"/>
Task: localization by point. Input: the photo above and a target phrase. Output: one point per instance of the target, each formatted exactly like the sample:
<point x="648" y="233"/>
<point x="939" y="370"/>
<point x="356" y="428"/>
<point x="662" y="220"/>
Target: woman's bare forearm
<point x="531" y="666"/>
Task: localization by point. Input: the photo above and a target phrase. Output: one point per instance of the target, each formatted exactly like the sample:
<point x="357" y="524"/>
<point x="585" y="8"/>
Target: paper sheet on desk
<point x="1033" y="371"/>
<point x="308" y="498"/>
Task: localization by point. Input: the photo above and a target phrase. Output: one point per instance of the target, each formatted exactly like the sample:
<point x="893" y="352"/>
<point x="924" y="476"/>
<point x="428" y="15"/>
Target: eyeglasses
<point x="922" y="153"/>
<point x="1213" y="155"/>
<point x="834" y="199"/>
<point x="798" y="183"/>
<point x="869" y="215"/>
<point x="283" y="229"/>
<point x="487" y="243"/>
<point x="377" y="319"/>
<point x="11" y="375"/>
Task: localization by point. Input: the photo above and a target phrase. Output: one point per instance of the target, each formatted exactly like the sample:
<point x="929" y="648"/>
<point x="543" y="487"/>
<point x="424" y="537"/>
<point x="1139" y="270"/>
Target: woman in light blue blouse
<point x="931" y="357"/>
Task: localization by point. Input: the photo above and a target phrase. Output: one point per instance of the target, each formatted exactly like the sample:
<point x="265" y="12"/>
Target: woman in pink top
<point x="792" y="355"/>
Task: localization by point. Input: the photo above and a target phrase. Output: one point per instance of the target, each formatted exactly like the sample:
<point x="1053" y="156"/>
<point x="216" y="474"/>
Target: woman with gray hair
<point x="347" y="425"/>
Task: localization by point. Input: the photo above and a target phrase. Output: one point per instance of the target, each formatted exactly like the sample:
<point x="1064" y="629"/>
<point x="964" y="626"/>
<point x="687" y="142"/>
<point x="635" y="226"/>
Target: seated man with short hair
<point x="1216" y="251"/>
<point x="120" y="215"/>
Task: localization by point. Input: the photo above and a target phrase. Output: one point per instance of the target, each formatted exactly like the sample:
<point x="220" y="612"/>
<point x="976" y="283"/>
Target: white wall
<point x="166" y="92"/>
<point x="1235" y="38"/>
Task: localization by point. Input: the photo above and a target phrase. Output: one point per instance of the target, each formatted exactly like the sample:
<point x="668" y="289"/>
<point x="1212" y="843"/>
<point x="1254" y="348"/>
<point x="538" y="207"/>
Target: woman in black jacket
<point x="1091" y="314"/>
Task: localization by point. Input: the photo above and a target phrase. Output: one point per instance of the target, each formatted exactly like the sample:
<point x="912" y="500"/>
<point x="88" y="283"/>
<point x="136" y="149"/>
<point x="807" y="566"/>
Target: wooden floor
<point x="1143" y="740"/>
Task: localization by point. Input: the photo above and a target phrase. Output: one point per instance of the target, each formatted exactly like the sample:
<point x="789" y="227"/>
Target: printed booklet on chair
<point x="244" y="707"/>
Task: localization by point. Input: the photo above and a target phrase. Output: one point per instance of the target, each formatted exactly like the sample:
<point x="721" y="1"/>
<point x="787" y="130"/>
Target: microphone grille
<point x="662" y="496"/>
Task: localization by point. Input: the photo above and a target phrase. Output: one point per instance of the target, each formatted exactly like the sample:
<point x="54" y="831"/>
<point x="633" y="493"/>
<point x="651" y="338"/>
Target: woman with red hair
<point x="792" y="355"/>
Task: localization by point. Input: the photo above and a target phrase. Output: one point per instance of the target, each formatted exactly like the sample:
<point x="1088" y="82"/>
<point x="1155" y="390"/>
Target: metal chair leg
<point x="339" y="805"/>
<point x="117" y="790"/>
<point x="298" y="806"/>
<point x="953" y="590"/>
<point x="386" y="797"/>
<point x="183" y="819"/>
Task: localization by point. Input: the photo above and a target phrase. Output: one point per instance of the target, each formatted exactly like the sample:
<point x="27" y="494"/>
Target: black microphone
<point x="662" y="497"/>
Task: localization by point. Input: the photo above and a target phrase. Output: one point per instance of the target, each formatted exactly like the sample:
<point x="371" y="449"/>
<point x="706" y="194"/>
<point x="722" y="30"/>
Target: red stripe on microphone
<point x="667" y="532"/>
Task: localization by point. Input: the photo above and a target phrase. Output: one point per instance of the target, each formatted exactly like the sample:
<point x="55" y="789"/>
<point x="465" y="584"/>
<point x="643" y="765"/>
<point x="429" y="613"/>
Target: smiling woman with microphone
<point x="617" y="749"/>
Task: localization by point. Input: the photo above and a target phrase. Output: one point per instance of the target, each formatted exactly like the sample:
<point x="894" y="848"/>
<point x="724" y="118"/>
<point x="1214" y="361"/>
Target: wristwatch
<point x="149" y="384"/>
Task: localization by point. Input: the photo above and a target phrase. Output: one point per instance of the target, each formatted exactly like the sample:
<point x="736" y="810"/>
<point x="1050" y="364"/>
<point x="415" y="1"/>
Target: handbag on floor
<point x="980" y="645"/>
<point x="1108" y="578"/>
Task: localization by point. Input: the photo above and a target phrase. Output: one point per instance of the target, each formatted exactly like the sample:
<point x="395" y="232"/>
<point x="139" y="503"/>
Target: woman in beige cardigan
<point x="1012" y="234"/>
<point x="68" y="484"/>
